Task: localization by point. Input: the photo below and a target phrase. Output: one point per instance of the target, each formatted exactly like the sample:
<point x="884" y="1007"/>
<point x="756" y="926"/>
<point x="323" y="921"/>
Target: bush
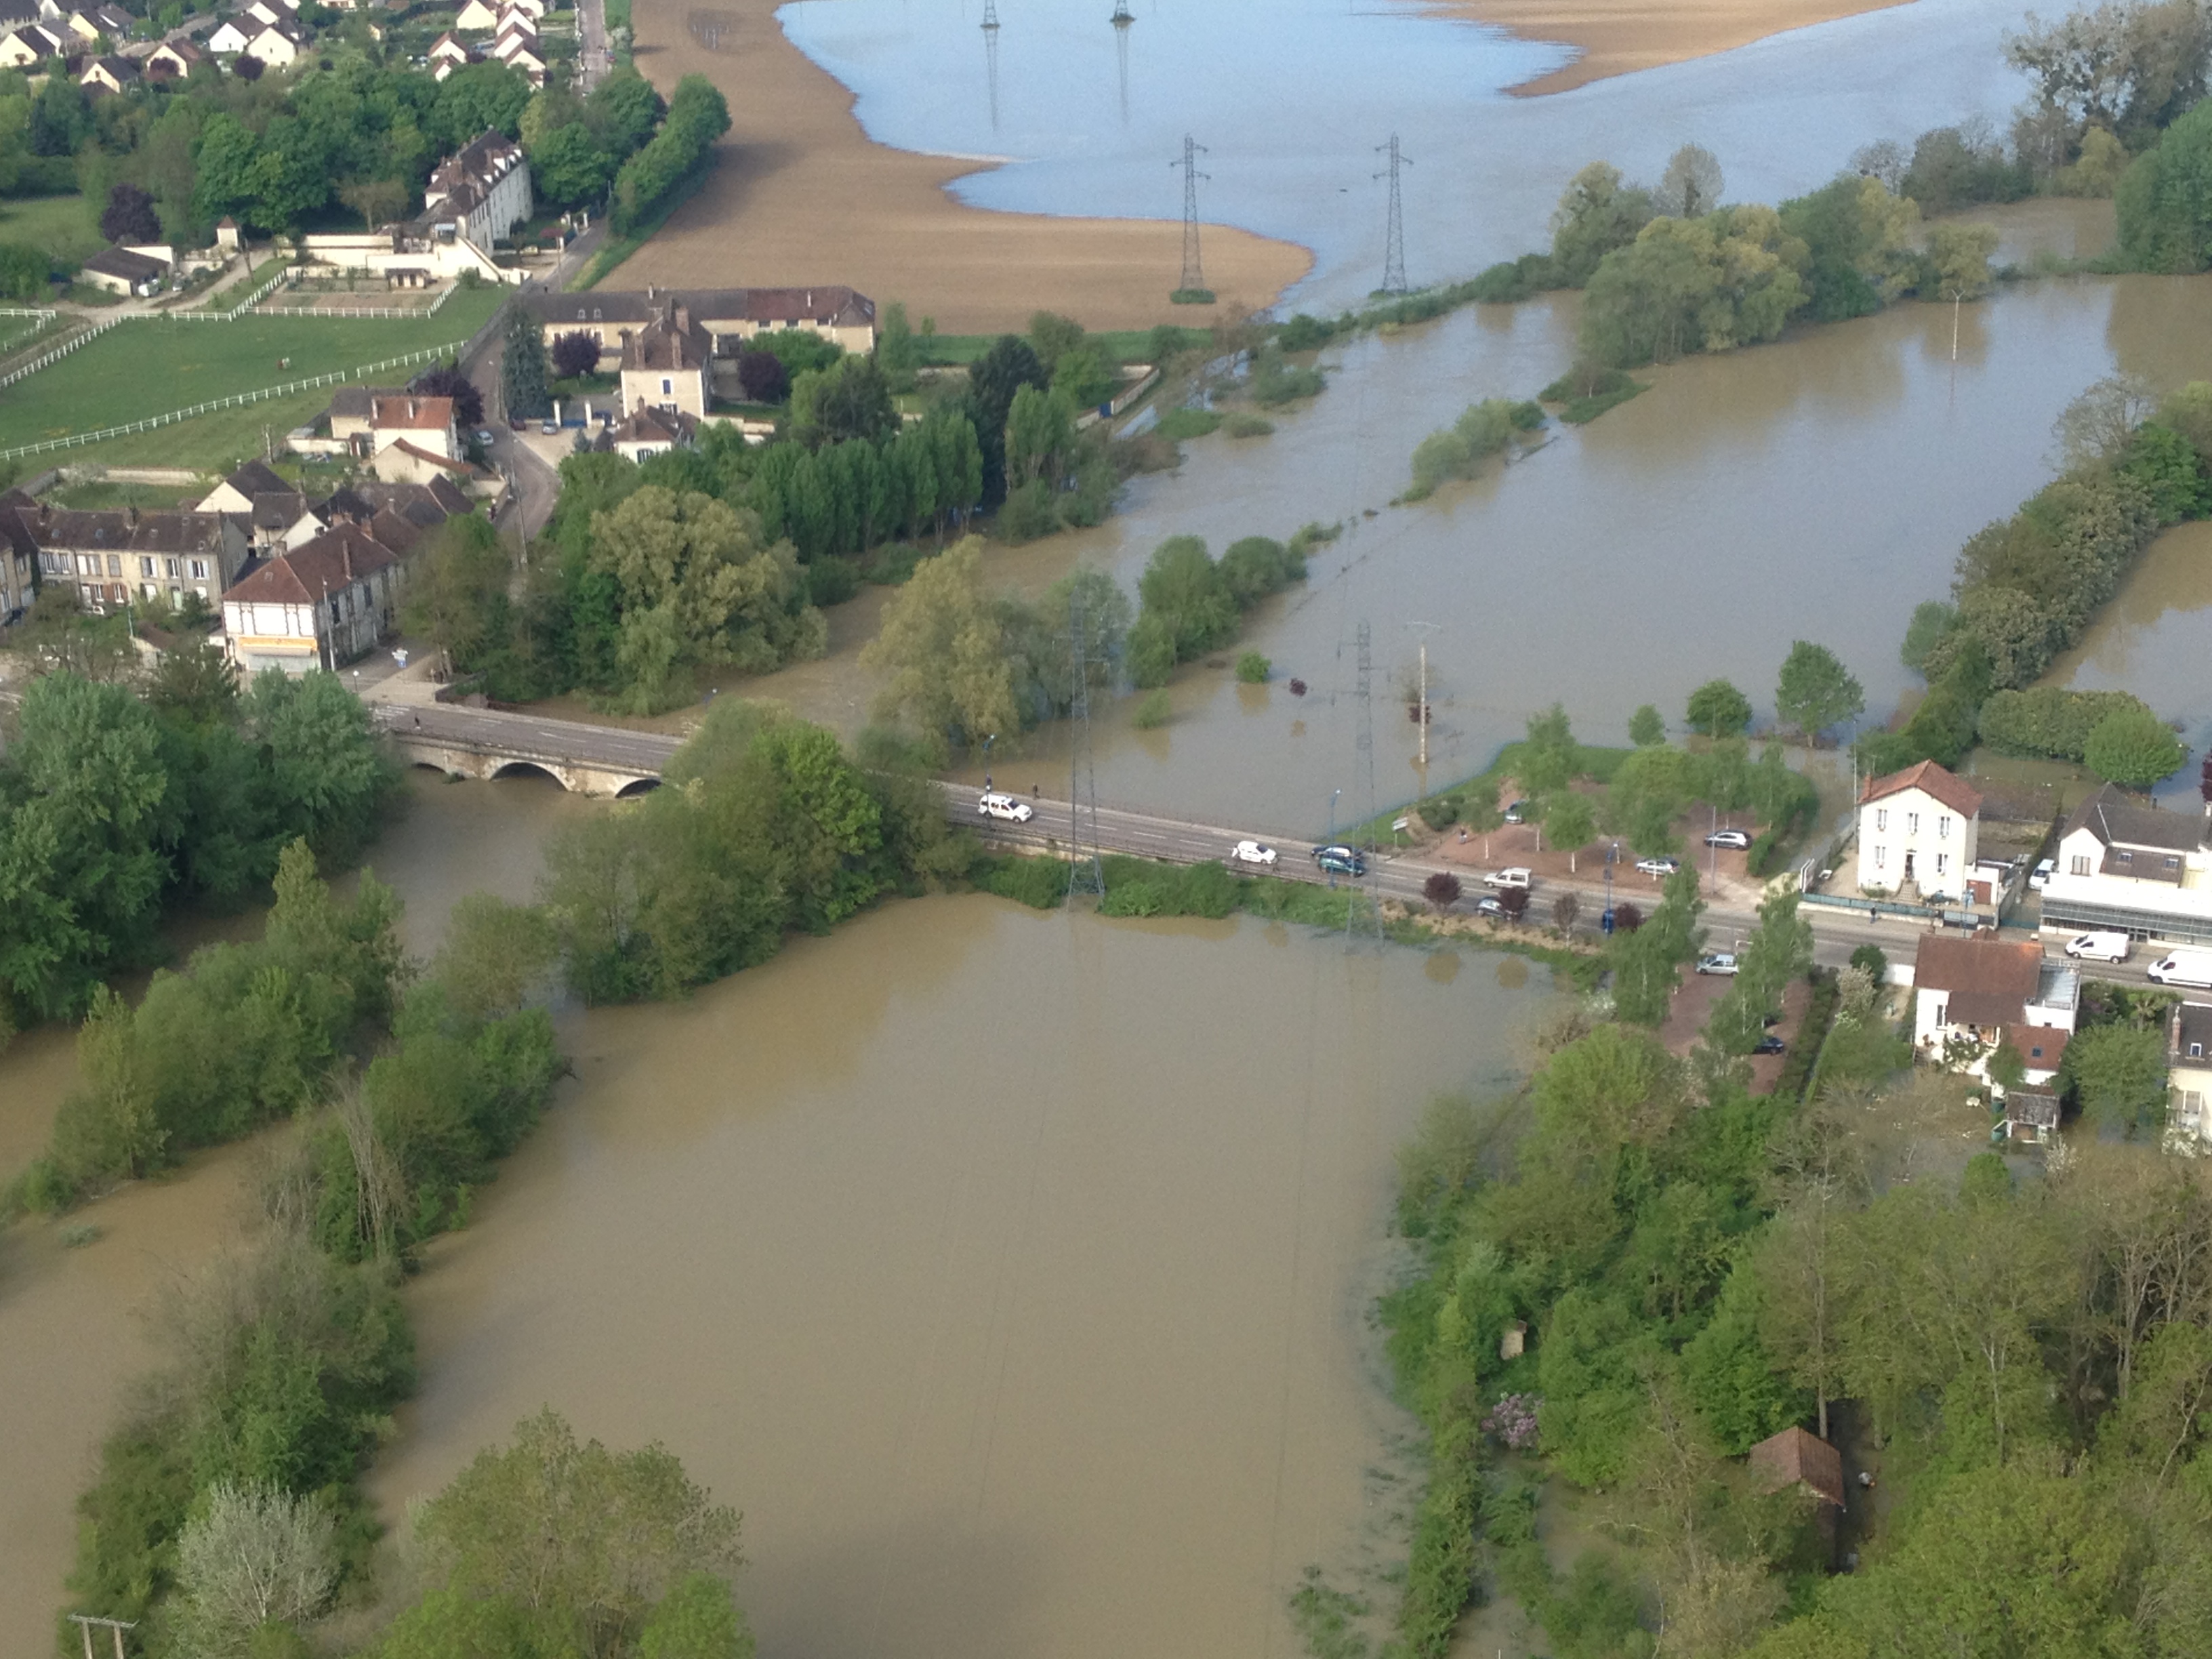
<point x="1305" y="333"/>
<point x="1482" y="430"/>
<point x="1152" y="712"/>
<point x="1253" y="669"/>
<point x="2049" y="721"/>
<point x="831" y="581"/>
<point x="1244" y="425"/>
<point x="2134" y="748"/>
<point x="1029" y="512"/>
<point x="1439" y="811"/>
<point x="1869" y="958"/>
<point x="1276" y="381"/>
<point x="1039" y="883"/>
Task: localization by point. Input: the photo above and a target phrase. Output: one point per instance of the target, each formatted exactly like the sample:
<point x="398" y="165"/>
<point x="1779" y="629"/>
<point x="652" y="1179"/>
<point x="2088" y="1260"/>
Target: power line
<point x="1394" y="238"/>
<point x="1194" y="276"/>
<point x="1085" y="874"/>
<point x="991" y="55"/>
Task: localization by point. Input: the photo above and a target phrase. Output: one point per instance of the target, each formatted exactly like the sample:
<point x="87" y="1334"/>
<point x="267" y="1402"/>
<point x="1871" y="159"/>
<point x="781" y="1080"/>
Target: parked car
<point x="1512" y="875"/>
<point x="1340" y="860"/>
<point x="1252" y="852"/>
<point x="1515" y="813"/>
<point x="1658" y="866"/>
<point x="1739" y="840"/>
<point x="2100" y="947"/>
<point x="1005" y="807"/>
<point x="1770" y="1045"/>
<point x="551" y="428"/>
<point x="2044" y="871"/>
<point x="1489" y="905"/>
<point x="2191" y="967"/>
<point x="484" y="436"/>
<point x="1721" y="962"/>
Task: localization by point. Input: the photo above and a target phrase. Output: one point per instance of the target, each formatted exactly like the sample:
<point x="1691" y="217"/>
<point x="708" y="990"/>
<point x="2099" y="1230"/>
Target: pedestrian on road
<point x="418" y="719"/>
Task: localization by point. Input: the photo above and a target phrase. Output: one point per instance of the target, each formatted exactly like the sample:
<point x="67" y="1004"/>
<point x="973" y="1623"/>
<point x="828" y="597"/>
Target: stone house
<point x="111" y="558"/>
<point x="1919" y="829"/>
<point x="665" y="363"/>
<point x="2189" y="1078"/>
<point x="482" y="192"/>
<point x="28" y="44"/>
<point x="730" y="316"/>
<point x="1970" y="990"/>
<point x="121" y="271"/>
<point x="318" y="605"/>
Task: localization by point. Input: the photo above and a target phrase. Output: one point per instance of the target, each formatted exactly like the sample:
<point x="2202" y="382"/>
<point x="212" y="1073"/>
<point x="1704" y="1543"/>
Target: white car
<point x="1720" y="961"/>
<point x="1252" y="852"/>
<point x="1515" y="876"/>
<point x="2044" y="871"/>
<point x="1005" y="807"/>
<point x="1658" y="866"/>
<point x="2099" y="947"/>
<point x="1737" y="839"/>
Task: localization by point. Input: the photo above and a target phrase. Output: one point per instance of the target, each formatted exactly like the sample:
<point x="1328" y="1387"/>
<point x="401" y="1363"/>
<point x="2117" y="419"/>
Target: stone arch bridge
<point x="484" y="743"/>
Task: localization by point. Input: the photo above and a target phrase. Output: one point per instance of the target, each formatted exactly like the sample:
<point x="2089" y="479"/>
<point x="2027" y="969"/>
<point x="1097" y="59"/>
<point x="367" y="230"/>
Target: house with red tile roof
<point x="1919" y="829"/>
<point x="321" y="605"/>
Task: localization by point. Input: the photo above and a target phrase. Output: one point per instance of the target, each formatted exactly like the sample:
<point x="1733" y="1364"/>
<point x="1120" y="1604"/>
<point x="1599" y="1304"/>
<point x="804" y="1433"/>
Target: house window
<point x="667" y="386"/>
<point x="1912" y="823"/>
<point x="2172" y="862"/>
<point x="1942" y="1013"/>
<point x="200" y="570"/>
<point x="170" y="569"/>
<point x="151" y="593"/>
<point x="2196" y="1051"/>
<point x="2078" y="865"/>
<point x="145" y="567"/>
<point x="1881" y="818"/>
<point x="1881" y="854"/>
<point x="1940" y="860"/>
<point x="1943" y="828"/>
<point x="115" y="566"/>
<point x="88" y="564"/>
<point x="2124" y="857"/>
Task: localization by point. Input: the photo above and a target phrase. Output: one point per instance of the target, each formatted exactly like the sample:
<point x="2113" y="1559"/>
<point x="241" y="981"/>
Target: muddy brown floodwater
<point x="1011" y="1271"/>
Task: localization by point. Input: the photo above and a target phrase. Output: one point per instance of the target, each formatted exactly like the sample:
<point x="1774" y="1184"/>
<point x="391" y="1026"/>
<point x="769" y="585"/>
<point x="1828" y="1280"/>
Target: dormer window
<point x="2124" y="857"/>
<point x="2196" y="1051"/>
<point x="2172" y="862"/>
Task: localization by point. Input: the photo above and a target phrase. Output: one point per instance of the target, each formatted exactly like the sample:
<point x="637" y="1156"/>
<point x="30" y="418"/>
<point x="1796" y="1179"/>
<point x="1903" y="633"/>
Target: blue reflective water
<point x="1292" y="98"/>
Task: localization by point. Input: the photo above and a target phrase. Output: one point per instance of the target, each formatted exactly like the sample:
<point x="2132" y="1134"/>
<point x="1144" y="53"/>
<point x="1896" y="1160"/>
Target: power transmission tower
<point x="991" y="55"/>
<point x="1085" y="874"/>
<point x="114" y="1627"/>
<point x="1123" y="18"/>
<point x="1194" y="276"/>
<point x="1363" y="916"/>
<point x="1393" y="239"/>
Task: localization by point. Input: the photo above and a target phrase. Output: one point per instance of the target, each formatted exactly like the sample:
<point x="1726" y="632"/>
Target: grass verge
<point x="61" y="226"/>
<point x="1592" y="761"/>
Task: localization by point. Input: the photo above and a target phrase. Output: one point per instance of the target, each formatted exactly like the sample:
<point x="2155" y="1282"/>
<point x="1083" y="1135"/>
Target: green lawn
<point x="1124" y="345"/>
<point x="62" y="225"/>
<point x="140" y="369"/>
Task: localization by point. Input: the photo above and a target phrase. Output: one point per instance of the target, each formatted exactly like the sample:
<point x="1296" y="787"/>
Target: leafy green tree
<point x="1546" y="760"/>
<point x="256" y="1556"/>
<point x="623" y="109"/>
<point x="1719" y="710"/>
<point x="943" y="639"/>
<point x="2165" y="218"/>
<point x="992" y="379"/>
<point x="89" y="812"/>
<point x="1959" y="260"/>
<point x="2117" y="1074"/>
<point x="1814" y="692"/>
<point x="1691" y="184"/>
<point x="1645" y="727"/>
<point x="1597" y="214"/>
<point x="457" y="595"/>
<point x="697" y="1619"/>
<point x="569" y="169"/>
<point x="588" y="1539"/>
<point x="2135" y="748"/>
<point x="327" y="775"/>
<point x="522" y="370"/>
<point x="850" y="400"/>
<point x="1570" y="823"/>
<point x="1184" y="588"/>
<point x="1932" y="620"/>
<point x="897" y="351"/>
<point x="1040" y="433"/>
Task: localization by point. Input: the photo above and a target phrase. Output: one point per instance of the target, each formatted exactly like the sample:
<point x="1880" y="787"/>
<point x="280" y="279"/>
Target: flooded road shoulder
<point x="1010" y="1272"/>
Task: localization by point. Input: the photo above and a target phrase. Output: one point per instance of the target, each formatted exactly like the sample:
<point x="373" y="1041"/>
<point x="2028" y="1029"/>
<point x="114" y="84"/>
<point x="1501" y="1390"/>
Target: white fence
<point x="415" y="313"/>
<point x="236" y="400"/>
<point x="63" y="348"/>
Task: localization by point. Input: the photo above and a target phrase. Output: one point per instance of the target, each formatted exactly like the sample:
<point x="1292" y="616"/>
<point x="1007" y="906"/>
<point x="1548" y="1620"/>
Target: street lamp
<point x="1612" y="857"/>
<point x="1333" y="793"/>
<point x="988" y="741"/>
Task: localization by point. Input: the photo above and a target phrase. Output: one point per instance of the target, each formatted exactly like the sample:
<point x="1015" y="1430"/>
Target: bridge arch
<point x="633" y="790"/>
<point x="523" y="769"/>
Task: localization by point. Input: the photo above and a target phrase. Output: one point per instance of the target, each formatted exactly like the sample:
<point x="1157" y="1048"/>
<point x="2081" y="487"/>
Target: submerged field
<point x="146" y="368"/>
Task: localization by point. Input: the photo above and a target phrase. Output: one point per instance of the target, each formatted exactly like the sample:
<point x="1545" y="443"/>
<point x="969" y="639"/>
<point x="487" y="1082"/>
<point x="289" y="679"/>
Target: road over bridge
<point x="484" y="743"/>
<point x="613" y="761"/>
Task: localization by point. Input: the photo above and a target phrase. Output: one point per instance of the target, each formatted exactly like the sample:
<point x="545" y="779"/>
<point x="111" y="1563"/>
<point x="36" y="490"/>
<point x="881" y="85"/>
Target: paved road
<point x="611" y="746"/>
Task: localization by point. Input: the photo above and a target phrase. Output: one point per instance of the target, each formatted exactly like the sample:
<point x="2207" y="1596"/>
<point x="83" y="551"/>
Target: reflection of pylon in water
<point x="1085" y="874"/>
<point x="1363" y="916"/>
<point x="991" y="56"/>
<point x="1123" y="18"/>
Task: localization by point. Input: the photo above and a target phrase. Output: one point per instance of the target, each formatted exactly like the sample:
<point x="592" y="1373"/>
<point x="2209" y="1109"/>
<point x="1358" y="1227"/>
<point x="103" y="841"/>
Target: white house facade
<point x="2126" y="866"/>
<point x="482" y="192"/>
<point x="1919" y="829"/>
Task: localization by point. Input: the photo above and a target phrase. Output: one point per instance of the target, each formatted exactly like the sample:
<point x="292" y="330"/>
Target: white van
<point x="1006" y="807"/>
<point x="2099" y="947"/>
<point x="2191" y="968"/>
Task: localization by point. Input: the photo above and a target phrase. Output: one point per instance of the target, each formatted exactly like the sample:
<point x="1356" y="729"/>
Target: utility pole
<point x="1085" y="874"/>
<point x="1394" y="236"/>
<point x="1194" y="274"/>
<point x="117" y="1626"/>
<point x="1121" y="19"/>
<point x="991" y="55"/>
<point x="1421" y="711"/>
<point x="1363" y="916"/>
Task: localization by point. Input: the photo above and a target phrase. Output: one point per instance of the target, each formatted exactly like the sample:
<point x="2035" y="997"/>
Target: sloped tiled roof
<point x="1794" y="1458"/>
<point x="2040" y="1047"/>
<point x="330" y="563"/>
<point x="404" y="411"/>
<point x="2119" y="820"/>
<point x="1990" y="981"/>
<point x="1954" y="791"/>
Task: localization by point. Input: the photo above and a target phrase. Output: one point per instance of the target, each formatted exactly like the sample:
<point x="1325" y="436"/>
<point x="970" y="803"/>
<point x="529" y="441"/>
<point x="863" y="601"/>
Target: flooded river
<point x="1011" y="1271"/>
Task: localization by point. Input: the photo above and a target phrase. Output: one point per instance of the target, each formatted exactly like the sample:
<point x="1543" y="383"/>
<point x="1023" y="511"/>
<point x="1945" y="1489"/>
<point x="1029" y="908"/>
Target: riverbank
<point x="1619" y="37"/>
<point x="801" y="195"/>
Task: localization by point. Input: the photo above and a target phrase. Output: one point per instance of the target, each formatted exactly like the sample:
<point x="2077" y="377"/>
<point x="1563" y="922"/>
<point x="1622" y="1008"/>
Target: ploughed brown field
<point x="800" y="195"/>
<point x="1617" y="37"/>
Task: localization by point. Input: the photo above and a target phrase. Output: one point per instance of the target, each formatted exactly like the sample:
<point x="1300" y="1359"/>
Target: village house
<point x="278" y="45"/>
<point x="273" y="11"/>
<point x="90" y="22"/>
<point x="110" y="557"/>
<point x="2124" y="865"/>
<point x="233" y="33"/>
<point x="1798" y="1459"/>
<point x="1919" y="833"/>
<point x="482" y="192"/>
<point x="29" y="44"/>
<point x="665" y="363"/>
<point x="1974" y="993"/>
<point x="647" y="432"/>
<point x="2189" y="1078"/>
<point x="477" y="17"/>
<point x="318" y="606"/>
<point x="404" y="417"/>
<point x="172" y="59"/>
<point x="448" y="50"/>
<point x="519" y="52"/>
<point x="122" y="270"/>
<point x="103" y="74"/>
<point x="19" y="559"/>
<point x="730" y="316"/>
